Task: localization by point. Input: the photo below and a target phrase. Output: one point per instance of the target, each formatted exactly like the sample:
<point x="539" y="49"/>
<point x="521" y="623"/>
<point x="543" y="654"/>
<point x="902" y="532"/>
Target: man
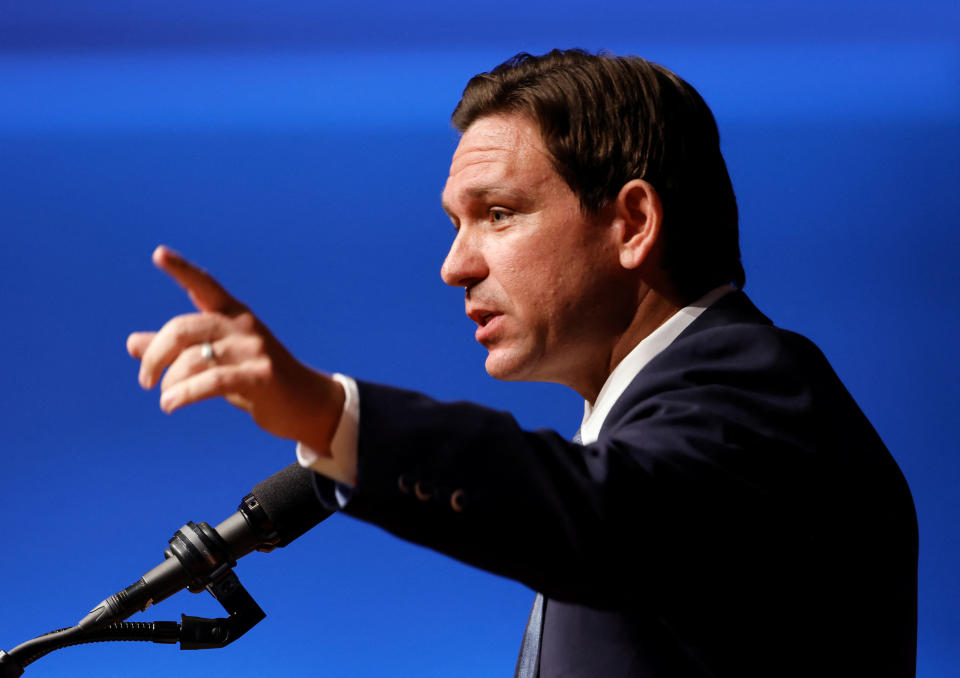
<point x="727" y="509"/>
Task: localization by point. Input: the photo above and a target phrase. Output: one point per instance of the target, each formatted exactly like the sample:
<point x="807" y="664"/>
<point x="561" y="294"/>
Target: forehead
<point x="498" y="151"/>
<point x="493" y="137"/>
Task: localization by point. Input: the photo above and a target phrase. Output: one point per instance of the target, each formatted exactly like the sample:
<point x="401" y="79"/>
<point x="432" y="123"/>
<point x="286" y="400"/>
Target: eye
<point x="498" y="215"/>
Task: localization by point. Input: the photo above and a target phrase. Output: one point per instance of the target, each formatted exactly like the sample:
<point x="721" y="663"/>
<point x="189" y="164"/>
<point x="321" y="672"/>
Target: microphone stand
<point x="210" y="567"/>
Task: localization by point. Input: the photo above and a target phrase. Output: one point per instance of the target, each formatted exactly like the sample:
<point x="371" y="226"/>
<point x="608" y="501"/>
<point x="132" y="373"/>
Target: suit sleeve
<point x="709" y="474"/>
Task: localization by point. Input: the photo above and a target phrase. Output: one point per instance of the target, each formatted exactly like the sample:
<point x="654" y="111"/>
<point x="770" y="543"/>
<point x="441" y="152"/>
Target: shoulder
<point x="736" y="349"/>
<point x="733" y="366"/>
<point x="733" y="341"/>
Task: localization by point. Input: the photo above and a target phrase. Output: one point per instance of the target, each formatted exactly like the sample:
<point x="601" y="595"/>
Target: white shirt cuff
<point x="341" y="463"/>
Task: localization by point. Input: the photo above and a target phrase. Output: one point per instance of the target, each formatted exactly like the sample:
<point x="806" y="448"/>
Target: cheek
<point x="530" y="282"/>
<point x="543" y="275"/>
<point x="513" y="272"/>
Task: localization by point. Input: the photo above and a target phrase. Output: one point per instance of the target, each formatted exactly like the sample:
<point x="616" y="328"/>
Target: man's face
<point x="543" y="281"/>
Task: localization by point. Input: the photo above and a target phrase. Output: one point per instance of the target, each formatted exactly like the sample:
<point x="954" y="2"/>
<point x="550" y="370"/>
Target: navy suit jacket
<point x="738" y="515"/>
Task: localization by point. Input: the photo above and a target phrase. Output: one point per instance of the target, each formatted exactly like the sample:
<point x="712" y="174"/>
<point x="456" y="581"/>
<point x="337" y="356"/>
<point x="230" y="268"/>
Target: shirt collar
<point x="648" y="349"/>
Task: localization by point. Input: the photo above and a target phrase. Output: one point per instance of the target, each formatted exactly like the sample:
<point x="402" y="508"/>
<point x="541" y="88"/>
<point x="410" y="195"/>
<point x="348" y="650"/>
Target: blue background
<point x="297" y="150"/>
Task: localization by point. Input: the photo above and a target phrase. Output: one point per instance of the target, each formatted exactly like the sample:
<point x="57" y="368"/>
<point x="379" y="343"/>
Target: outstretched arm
<point x="224" y="350"/>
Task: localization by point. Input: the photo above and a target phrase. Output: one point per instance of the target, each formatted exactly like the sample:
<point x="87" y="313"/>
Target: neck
<point x="652" y="310"/>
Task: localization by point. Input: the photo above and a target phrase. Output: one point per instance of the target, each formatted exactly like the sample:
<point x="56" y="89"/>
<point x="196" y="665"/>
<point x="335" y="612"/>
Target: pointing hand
<point x="224" y="350"/>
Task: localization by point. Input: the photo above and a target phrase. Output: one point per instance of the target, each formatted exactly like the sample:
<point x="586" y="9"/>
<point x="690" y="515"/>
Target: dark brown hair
<point x="606" y="120"/>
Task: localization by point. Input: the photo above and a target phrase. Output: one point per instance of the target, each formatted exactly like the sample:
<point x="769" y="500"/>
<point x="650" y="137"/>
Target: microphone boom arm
<point x="198" y="558"/>
<point x="278" y="510"/>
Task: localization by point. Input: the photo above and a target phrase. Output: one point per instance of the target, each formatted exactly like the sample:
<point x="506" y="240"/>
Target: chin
<point x="508" y="365"/>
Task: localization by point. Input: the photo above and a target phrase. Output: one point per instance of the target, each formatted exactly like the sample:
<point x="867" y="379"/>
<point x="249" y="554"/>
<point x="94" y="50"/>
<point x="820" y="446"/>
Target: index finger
<point x="204" y="291"/>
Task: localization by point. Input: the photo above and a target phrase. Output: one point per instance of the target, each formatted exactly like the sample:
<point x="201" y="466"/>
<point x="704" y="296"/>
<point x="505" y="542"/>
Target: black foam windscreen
<point x="289" y="499"/>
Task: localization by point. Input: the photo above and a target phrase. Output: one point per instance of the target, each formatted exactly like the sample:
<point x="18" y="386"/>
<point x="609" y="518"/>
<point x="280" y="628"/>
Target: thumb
<point x="137" y="343"/>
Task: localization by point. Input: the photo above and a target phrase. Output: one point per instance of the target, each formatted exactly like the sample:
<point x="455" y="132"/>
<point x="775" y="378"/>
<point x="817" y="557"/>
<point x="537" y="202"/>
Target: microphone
<point x="277" y="511"/>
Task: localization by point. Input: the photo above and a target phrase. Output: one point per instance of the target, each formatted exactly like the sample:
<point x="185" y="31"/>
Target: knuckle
<point x="245" y="321"/>
<point x="263" y="370"/>
<point x="257" y="345"/>
<point x="180" y="326"/>
<point x="218" y="381"/>
<point x="179" y="331"/>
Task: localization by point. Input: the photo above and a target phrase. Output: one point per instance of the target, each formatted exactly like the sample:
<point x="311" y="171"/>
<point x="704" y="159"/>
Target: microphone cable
<point x="13" y="663"/>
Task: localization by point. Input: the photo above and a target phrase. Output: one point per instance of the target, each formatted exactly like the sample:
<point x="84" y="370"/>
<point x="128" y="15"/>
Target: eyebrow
<point x="481" y="192"/>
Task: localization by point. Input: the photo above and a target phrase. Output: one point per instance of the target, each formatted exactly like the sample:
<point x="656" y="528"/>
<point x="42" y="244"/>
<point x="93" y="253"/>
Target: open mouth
<point x="481" y="316"/>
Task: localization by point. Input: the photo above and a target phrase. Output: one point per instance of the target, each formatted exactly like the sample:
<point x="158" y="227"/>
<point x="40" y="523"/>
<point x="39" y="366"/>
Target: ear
<point x="639" y="209"/>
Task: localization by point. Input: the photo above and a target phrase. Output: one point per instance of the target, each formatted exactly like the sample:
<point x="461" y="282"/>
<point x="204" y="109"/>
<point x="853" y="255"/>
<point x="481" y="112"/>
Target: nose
<point x="465" y="265"/>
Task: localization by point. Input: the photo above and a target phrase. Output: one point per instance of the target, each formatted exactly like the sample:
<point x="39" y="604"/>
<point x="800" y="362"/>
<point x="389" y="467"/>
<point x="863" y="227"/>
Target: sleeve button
<point x="457" y="500"/>
<point x="422" y="490"/>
